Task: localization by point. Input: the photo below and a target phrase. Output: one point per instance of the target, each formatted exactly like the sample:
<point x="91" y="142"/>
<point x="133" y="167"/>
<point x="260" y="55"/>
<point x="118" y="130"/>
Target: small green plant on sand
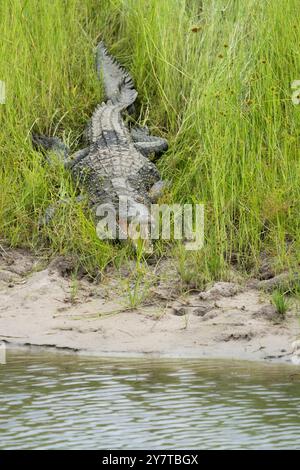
<point x="74" y="288"/>
<point x="280" y="302"/>
<point x="140" y="281"/>
<point x="138" y="291"/>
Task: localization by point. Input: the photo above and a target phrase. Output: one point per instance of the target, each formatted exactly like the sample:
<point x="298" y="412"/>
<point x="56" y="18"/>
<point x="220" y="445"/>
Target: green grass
<point x="221" y="95"/>
<point x="280" y="302"/>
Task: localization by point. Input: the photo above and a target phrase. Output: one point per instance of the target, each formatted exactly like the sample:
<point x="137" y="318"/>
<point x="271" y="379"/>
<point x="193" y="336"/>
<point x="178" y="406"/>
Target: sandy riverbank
<point x="42" y="308"/>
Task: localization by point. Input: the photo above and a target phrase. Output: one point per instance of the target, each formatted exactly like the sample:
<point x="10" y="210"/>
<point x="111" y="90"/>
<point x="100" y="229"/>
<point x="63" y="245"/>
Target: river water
<point x="57" y="401"/>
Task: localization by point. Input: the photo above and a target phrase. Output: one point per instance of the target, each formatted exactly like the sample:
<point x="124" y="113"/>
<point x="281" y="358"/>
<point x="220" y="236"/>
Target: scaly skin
<point x="114" y="164"/>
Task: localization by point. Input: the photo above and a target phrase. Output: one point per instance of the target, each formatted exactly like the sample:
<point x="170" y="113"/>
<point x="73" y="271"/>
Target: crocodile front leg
<point x="76" y="157"/>
<point x="52" y="210"/>
<point x="157" y="190"/>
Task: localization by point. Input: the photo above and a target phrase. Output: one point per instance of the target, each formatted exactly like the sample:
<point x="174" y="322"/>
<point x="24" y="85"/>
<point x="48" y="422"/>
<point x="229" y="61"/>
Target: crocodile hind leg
<point x="148" y="144"/>
<point x="50" y="145"/>
<point x="156" y="146"/>
<point x="58" y="148"/>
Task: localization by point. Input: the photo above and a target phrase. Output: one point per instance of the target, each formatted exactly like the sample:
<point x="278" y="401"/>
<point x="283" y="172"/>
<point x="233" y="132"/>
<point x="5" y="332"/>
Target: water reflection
<point x="71" y="402"/>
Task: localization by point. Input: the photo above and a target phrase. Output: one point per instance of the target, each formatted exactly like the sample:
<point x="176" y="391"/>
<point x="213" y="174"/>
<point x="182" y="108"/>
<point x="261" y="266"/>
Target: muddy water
<point x="55" y="401"/>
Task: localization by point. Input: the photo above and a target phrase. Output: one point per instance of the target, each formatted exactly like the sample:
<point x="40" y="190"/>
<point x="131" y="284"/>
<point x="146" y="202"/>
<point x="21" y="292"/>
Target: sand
<point x="40" y="307"/>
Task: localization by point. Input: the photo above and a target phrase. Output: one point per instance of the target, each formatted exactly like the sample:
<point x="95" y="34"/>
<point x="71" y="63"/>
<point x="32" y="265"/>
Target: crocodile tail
<point x="118" y="84"/>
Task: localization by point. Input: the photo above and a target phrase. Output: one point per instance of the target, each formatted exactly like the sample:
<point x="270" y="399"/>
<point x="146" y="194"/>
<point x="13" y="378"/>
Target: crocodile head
<point x="136" y="222"/>
<point x="131" y="220"/>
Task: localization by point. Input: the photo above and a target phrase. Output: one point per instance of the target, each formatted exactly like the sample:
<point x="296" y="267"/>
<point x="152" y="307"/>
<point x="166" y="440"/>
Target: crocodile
<point x="116" y="162"/>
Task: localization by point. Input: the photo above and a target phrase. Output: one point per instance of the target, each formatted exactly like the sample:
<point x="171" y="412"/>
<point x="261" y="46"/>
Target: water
<point x="54" y="401"/>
